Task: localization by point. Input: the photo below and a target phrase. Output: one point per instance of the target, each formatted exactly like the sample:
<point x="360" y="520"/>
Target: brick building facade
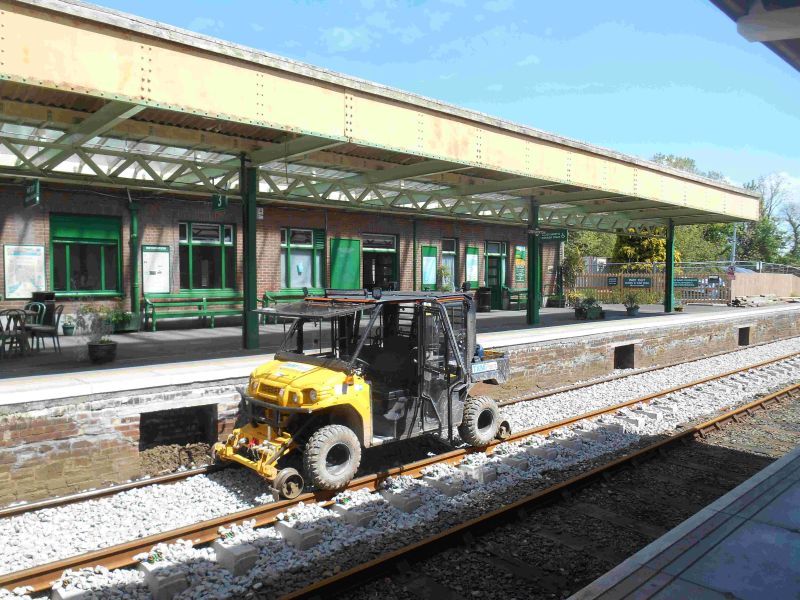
<point x="85" y="235"/>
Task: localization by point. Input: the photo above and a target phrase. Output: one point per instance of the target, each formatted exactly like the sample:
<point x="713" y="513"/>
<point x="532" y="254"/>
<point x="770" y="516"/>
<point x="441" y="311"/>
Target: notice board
<point x="155" y="270"/>
<point x="520" y="261"/>
<point x="24" y="271"/>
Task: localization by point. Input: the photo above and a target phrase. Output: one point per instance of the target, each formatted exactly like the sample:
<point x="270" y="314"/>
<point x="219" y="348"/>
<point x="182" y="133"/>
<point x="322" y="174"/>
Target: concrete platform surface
<point x="744" y="546"/>
<point x="188" y="356"/>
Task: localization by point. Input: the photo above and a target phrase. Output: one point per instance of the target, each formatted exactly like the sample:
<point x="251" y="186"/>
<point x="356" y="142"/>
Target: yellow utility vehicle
<point x="357" y="370"/>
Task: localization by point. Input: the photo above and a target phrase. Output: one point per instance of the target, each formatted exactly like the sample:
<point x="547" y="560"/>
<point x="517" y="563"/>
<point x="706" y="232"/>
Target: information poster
<point x="155" y="270"/>
<point x="687" y="282"/>
<point x="472" y="267"/>
<point x="520" y="261"/>
<point x="24" y="270"/>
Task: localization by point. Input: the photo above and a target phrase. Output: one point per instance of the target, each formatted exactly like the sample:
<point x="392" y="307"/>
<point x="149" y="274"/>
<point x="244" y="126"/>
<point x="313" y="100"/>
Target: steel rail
<point x="43" y="576"/>
<point x="55" y="502"/>
<point x="367" y="571"/>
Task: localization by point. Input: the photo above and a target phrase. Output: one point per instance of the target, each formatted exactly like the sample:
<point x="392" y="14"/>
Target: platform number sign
<point x="219" y="202"/>
<point x="32" y="194"/>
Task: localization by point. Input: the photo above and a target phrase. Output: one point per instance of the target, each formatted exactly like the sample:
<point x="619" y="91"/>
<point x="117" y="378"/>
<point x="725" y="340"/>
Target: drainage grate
<point x="624" y="357"/>
<point x="178" y="426"/>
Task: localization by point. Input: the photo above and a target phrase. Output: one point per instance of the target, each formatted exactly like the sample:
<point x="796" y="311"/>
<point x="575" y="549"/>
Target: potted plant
<point x="68" y="327"/>
<point x="589" y="308"/>
<point x="95" y="323"/>
<point x="120" y="318"/>
<point x="555" y="301"/>
<point x="632" y="304"/>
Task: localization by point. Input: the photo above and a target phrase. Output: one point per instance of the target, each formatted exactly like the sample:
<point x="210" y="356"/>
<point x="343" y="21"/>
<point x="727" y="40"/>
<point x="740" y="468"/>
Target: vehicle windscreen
<point x="325" y="337"/>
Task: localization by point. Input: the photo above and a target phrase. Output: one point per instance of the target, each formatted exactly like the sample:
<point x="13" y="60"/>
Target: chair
<point x="13" y="335"/>
<point x="42" y="331"/>
<point x="38" y="309"/>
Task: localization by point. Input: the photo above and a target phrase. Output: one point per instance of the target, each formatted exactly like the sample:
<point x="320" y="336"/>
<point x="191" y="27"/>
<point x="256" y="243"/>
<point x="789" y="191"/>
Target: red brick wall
<point x="159" y="218"/>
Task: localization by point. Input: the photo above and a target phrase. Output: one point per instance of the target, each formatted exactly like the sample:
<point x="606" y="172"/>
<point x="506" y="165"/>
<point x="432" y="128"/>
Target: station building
<point x="85" y="234"/>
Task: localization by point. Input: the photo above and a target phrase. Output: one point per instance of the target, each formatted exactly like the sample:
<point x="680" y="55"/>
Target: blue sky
<point x="638" y="76"/>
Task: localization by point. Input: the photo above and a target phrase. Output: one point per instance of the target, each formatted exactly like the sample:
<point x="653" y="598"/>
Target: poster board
<point x="24" y="271"/>
<point x="155" y="270"/>
<point x="520" y="262"/>
<point x="471" y="265"/>
<point x="429" y="267"/>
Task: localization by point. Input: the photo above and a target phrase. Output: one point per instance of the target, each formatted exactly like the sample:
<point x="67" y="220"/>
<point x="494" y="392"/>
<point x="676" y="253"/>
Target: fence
<point x="712" y="267"/>
<point x="611" y="288"/>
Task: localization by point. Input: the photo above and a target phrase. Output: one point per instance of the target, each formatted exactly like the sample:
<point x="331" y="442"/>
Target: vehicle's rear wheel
<point x="331" y="457"/>
<point x="480" y="422"/>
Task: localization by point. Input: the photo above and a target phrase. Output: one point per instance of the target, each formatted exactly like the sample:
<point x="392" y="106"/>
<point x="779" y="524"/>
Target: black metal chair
<point x="13" y="335"/>
<point x="40" y="332"/>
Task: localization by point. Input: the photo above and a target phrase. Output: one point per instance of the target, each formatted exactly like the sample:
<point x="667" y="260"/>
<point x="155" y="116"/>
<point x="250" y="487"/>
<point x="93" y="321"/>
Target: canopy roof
<point x="103" y="98"/>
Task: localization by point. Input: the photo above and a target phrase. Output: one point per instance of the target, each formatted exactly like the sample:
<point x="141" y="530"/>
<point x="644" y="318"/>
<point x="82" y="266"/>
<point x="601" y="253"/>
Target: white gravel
<point x="52" y="534"/>
<point x="281" y="567"/>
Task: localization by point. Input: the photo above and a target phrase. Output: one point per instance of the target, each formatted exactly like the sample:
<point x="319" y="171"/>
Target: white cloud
<point x="200" y="24"/>
<point x="531" y="59"/>
<point x="498" y="5"/>
<point x="437" y="18"/>
<point x="495" y="87"/>
<point x="343" y="39"/>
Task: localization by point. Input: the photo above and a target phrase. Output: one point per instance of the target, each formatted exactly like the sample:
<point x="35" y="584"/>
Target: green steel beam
<point x="669" y="270"/>
<point x="249" y="179"/>
<point x="499" y="187"/>
<point x="534" y="270"/>
<point x="134" y="264"/>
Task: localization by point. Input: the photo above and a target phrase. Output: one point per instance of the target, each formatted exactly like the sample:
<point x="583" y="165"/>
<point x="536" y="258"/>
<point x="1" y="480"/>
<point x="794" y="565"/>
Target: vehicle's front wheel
<point x="481" y="421"/>
<point x="331" y="457"/>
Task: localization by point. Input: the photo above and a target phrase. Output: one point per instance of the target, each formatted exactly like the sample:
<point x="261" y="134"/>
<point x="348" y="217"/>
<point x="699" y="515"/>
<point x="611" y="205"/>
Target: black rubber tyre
<point x="481" y="421"/>
<point x="331" y="457"/>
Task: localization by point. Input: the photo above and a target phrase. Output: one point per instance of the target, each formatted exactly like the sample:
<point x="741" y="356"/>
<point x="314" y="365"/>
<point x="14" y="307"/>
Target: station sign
<point x="33" y="195"/>
<point x="219" y="202"/>
<point x="687" y="282"/>
<point x="713" y="279"/>
<point x="637" y="282"/>
<point x="612" y="281"/>
<point x="549" y="235"/>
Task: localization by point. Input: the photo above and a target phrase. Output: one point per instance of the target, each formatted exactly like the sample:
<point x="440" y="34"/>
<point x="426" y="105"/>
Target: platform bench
<point x="178" y="306"/>
<point x="518" y="296"/>
<point x="271" y="299"/>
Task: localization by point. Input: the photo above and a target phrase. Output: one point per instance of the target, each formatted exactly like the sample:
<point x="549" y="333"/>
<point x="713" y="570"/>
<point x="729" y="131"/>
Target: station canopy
<point x="97" y="97"/>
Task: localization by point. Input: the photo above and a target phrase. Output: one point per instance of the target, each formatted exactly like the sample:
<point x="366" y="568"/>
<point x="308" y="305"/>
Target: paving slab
<point x="745" y="545"/>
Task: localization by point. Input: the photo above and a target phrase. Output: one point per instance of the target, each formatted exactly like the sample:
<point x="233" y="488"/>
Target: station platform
<point x="744" y="546"/>
<point x="180" y="357"/>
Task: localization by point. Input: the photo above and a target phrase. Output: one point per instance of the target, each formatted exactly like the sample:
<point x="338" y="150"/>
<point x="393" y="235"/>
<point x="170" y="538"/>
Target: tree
<point x="773" y="190"/>
<point x="639" y="253"/>
<point x="791" y="215"/>
<point x="580" y="244"/>
<point x="702" y="243"/>
<point x="761" y="240"/>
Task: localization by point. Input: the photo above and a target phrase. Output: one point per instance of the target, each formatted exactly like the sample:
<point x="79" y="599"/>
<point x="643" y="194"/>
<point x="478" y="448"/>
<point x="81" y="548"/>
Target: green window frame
<point x="450" y="250"/>
<point x="73" y="241"/>
<point x="198" y="241"/>
<point x="303" y="239"/>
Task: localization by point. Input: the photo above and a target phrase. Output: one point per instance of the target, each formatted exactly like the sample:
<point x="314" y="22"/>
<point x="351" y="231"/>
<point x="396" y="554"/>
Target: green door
<point x="496" y="271"/>
<point x="345" y="264"/>
<point x="429" y="256"/>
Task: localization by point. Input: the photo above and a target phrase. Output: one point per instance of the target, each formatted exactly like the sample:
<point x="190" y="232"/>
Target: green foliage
<point x="761" y="240"/>
<point x="631" y="300"/>
<point x="700" y="243"/>
<point x="581" y="244"/>
<point x="640" y="252"/>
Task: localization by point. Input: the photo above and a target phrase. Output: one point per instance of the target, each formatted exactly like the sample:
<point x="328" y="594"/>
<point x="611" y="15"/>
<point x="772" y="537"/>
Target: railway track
<point x="41" y="577"/>
<point x="95" y="494"/>
<point x="553" y="544"/>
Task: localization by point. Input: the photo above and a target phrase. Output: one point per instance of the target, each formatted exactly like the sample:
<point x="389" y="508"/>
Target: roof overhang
<point x="95" y="96"/>
<point x="776" y="23"/>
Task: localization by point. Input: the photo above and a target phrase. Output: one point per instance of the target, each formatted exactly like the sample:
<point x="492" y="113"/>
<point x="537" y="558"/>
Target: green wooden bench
<point x="176" y="306"/>
<point x="271" y="299"/>
<point x="518" y="296"/>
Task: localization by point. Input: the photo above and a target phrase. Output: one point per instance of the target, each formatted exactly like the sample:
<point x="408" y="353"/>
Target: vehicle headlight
<point x="293" y="397"/>
<point x="311" y="395"/>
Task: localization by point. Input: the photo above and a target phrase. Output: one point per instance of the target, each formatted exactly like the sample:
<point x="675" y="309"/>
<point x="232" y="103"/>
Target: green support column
<point x="134" y="265"/>
<point x="248" y="184"/>
<point x="669" y="270"/>
<point x="534" y="265"/>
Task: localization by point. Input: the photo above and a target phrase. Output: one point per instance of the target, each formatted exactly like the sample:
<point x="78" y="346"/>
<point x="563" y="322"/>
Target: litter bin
<point x="49" y="301"/>
<point x="505" y="299"/>
<point x="484" y="297"/>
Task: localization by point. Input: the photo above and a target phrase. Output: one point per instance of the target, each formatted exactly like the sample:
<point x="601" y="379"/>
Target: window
<point x="496" y="248"/>
<point x="85" y="254"/>
<point x="449" y="263"/>
<point x="302" y="258"/>
<point x="207" y="256"/>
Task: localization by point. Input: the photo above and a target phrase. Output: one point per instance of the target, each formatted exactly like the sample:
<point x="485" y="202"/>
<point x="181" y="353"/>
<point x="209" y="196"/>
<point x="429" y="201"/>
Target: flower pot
<point x="632" y="310"/>
<point x="594" y="312"/>
<point x="102" y="352"/>
<point x="68" y="329"/>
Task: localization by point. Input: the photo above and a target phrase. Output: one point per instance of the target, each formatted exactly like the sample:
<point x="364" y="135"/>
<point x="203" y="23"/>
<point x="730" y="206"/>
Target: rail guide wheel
<point x="288" y="484"/>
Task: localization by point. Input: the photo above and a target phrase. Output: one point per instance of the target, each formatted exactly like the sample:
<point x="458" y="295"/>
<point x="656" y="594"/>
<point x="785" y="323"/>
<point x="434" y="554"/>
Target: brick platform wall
<point x="75" y="445"/>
